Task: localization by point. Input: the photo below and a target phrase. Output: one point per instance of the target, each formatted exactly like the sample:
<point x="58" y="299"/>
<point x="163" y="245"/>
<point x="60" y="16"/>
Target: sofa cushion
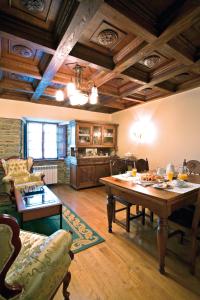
<point x="41" y="264"/>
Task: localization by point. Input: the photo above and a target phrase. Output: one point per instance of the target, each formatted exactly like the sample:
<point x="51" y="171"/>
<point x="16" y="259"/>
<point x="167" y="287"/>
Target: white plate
<point x="161" y="187"/>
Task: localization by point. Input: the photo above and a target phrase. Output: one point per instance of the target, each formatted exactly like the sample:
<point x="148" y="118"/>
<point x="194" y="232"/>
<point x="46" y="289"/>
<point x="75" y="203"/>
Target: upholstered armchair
<point x="18" y="174"/>
<point x="33" y="266"/>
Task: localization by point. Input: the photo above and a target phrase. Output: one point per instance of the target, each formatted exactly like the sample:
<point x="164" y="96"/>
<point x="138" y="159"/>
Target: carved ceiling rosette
<point x="151" y="61"/>
<point x="107" y="37"/>
<point x="22" y="51"/>
<point x="19" y="77"/>
<point x="34" y="5"/>
<point x="147" y="90"/>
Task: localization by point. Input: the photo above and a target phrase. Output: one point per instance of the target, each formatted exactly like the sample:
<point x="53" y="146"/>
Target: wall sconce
<point x="143" y="131"/>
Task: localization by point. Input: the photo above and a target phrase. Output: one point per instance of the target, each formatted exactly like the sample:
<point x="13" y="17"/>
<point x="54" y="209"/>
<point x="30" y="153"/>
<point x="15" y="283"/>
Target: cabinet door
<point x="97" y="135"/>
<point x="102" y="171"/>
<point x="84" y="134"/>
<point x="109" y="136"/>
<point x="85" y="176"/>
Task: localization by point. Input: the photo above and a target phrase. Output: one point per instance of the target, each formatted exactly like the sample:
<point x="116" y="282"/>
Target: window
<point x="46" y="140"/>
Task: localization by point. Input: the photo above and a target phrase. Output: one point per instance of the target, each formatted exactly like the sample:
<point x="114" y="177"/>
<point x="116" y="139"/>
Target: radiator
<point x="50" y="172"/>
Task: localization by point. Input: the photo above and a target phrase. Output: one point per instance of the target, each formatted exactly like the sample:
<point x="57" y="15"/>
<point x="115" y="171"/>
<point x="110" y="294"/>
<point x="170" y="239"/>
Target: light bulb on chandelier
<point x="76" y="95"/>
<point x="93" y="98"/>
<point x="59" y="95"/>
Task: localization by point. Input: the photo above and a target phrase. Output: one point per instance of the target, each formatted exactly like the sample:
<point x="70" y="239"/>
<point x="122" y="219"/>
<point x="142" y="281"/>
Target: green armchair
<point x="39" y="268"/>
<point x="18" y="174"/>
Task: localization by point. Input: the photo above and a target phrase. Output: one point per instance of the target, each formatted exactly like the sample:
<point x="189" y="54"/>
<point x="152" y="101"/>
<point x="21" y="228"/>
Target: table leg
<point x="61" y="217"/>
<point x="162" y="234"/>
<point x="110" y="208"/>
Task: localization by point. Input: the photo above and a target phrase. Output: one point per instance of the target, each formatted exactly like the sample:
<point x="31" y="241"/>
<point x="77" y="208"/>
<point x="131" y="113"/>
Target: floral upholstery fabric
<point x="18" y="171"/>
<point x="6" y="245"/>
<point x="41" y="264"/>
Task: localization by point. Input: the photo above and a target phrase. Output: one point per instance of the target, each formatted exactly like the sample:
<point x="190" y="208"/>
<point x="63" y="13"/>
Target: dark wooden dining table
<point x="161" y="202"/>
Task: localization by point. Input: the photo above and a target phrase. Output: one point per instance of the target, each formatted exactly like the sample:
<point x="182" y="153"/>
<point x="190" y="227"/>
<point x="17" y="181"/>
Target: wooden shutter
<point x="61" y="140"/>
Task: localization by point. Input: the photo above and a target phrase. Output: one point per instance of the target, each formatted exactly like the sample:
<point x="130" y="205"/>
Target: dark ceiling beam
<point x="186" y="17"/>
<point x="17" y="67"/>
<point x="92" y="56"/>
<point x="137" y="75"/>
<point x="25" y="97"/>
<point x="134" y="10"/>
<point x="127" y="49"/>
<point x="191" y="84"/>
<point x="112" y="103"/>
<point x="178" y="54"/>
<point x="157" y="79"/>
<point x="166" y="87"/>
<point x="14" y="29"/>
<point x="82" y="17"/>
<point x="14" y="85"/>
<point x="131" y="98"/>
<point x="23" y="87"/>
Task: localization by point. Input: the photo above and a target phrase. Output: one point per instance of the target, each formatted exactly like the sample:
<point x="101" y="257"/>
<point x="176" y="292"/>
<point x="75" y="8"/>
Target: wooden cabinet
<point x="87" y="174"/>
<point x="88" y="134"/>
<point x="90" y="148"/>
<point x="84" y="134"/>
<point x="109" y="136"/>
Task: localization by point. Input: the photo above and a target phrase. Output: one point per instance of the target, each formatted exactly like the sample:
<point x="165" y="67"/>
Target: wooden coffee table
<point x="38" y="206"/>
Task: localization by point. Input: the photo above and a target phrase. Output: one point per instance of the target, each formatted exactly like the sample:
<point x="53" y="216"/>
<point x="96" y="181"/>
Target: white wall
<point x="19" y="109"/>
<point x="177" y="125"/>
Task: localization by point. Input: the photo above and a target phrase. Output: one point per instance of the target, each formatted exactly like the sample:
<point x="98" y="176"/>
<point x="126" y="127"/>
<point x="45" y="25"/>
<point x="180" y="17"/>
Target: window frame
<point x="26" y="140"/>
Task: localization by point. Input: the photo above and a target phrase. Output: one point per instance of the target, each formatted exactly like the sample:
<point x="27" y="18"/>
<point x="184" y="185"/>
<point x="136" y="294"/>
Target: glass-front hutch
<point x="91" y="146"/>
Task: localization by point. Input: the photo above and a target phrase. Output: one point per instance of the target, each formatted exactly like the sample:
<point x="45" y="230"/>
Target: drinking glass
<point x="170" y="175"/>
<point x="134" y="172"/>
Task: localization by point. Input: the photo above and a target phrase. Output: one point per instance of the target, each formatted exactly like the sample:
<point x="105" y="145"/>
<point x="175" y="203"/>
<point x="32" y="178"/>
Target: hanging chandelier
<point x="74" y="91"/>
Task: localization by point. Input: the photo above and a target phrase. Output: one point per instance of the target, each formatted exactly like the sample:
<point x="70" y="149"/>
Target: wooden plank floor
<point x="125" y="266"/>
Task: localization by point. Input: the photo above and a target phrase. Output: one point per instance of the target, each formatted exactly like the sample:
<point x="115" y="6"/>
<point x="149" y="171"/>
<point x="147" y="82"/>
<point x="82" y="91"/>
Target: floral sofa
<point x="39" y="268"/>
<point x="18" y="174"/>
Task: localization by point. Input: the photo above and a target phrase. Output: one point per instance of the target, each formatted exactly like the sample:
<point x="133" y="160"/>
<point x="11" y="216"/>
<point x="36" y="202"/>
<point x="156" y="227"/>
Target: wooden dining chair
<point x="188" y="216"/>
<point x="193" y="167"/>
<point x="118" y="166"/>
<point x="183" y="216"/>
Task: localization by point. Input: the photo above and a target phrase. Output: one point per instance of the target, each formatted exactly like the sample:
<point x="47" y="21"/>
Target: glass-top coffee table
<point x="38" y="205"/>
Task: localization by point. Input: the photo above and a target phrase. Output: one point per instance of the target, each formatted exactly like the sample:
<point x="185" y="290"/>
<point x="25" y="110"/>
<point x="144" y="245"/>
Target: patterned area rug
<point x="83" y="235"/>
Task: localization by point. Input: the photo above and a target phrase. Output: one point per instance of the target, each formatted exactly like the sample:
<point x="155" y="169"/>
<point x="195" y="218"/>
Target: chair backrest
<point x="16" y="166"/>
<point x="10" y="247"/>
<point x="193" y="166"/>
<point x="142" y="165"/>
<point x="117" y="165"/>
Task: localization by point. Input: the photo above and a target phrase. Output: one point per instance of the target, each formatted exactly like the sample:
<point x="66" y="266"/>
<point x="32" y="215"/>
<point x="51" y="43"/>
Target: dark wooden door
<point x="85" y="176"/>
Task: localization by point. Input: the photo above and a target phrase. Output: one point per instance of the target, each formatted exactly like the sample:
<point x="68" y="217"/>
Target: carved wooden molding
<point x="107" y="37"/>
<point x="151" y="61"/>
<point x="34" y="5"/>
<point x="22" y="51"/>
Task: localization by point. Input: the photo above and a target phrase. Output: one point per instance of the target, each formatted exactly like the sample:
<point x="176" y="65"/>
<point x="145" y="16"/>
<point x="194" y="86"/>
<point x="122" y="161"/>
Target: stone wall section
<point x="12" y="141"/>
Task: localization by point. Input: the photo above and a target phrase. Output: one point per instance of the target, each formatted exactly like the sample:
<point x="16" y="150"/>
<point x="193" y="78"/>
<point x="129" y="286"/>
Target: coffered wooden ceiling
<point x="134" y="51"/>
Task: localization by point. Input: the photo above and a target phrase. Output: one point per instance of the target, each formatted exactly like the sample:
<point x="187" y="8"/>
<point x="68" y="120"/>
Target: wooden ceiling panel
<point x="133" y="51"/>
<point x="20" y="52"/>
<point x="14" y="76"/>
<point x="42" y="13"/>
<point x="107" y="34"/>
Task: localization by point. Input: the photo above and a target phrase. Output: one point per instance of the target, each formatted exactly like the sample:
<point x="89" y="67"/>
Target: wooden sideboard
<point x="91" y="146"/>
<point x="85" y="172"/>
